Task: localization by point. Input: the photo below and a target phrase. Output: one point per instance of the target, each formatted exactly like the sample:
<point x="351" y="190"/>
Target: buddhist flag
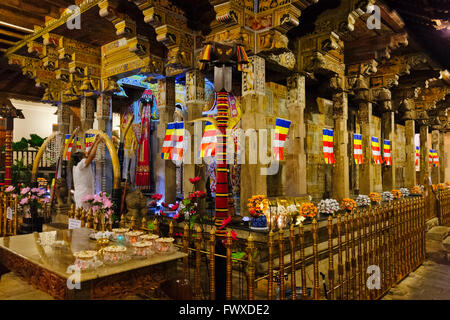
<point x="387" y="152"/>
<point x="357" y="148"/>
<point x="78" y="144"/>
<point x="328" y="146"/>
<point x="281" y="131"/>
<point x="69" y="150"/>
<point x="433" y="158"/>
<point x="209" y="141"/>
<point x="89" y="139"/>
<point x="417" y="155"/>
<point x="376" y="154"/>
<point x="172" y="148"/>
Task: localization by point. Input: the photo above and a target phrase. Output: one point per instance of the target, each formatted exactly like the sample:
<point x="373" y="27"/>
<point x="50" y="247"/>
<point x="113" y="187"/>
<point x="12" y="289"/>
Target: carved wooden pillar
<point x="63" y="113"/>
<point x="435" y="171"/>
<point x="388" y="133"/>
<point x="441" y="153"/>
<point x="366" y="171"/>
<point x="87" y="113"/>
<point x="295" y="169"/>
<point x="103" y="165"/>
<point x="195" y="96"/>
<point x="341" y="178"/>
<point x="410" y="148"/>
<point x="424" y="156"/>
<point x="165" y="173"/>
<point x="253" y="117"/>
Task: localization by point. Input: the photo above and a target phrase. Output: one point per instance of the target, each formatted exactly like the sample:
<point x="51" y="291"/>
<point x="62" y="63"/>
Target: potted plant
<point x="375" y="198"/>
<point x="328" y="206"/>
<point x="348" y="204"/>
<point x="308" y="210"/>
<point x="363" y="200"/>
<point x="257" y="206"/>
<point x="189" y="207"/>
<point x="30" y="201"/>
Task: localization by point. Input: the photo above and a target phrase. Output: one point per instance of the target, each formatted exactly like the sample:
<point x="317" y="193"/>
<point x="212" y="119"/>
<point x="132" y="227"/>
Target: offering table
<point x="46" y="261"/>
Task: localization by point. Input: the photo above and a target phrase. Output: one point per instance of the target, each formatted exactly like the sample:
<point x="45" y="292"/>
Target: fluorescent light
<point x="6" y="24"/>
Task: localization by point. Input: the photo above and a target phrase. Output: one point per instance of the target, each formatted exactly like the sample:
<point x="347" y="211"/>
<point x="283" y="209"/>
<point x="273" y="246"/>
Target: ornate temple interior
<point x="224" y="149"/>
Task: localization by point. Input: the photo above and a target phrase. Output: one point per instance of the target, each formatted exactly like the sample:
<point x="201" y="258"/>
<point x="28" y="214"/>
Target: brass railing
<point x="365" y="253"/>
<point x="444" y="207"/>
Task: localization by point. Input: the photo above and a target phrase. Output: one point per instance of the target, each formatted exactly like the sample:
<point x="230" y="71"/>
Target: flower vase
<point x="259" y="223"/>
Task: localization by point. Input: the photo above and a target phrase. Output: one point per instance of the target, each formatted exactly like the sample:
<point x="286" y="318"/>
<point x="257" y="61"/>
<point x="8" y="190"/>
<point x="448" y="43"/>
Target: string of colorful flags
<point x="173" y="145"/>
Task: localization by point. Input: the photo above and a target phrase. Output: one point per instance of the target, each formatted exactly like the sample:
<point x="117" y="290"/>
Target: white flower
<point x="387" y="196"/>
<point x="404" y="191"/>
<point x="300" y="218"/>
<point x="328" y="206"/>
<point x="362" y="200"/>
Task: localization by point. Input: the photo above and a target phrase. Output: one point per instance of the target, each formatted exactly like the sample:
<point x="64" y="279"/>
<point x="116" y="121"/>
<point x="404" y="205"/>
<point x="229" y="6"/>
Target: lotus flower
<point x="194" y="180"/>
<point x="10" y="189"/>
<point x="24" y="201"/>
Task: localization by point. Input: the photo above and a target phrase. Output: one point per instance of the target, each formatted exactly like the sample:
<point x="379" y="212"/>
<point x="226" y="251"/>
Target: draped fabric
<point x="143" y="180"/>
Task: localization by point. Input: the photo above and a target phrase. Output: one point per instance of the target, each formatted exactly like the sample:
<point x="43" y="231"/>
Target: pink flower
<point x="23" y="201"/>
<point x="35" y="190"/>
<point x="33" y="197"/>
<point x="107" y="203"/>
<point x="176" y="216"/>
<point x="87" y="198"/>
<point x="25" y="190"/>
<point x="41" y="192"/>
<point x="10" y="189"/>
<point x="46" y="200"/>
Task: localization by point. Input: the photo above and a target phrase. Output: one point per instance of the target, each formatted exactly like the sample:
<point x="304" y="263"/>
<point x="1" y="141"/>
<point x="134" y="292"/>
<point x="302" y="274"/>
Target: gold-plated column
<point x="316" y="292"/>
<point x="270" y="267"/>
<point x="186" y="250"/>
<point x="212" y="264"/>
<point x="4" y="218"/>
<point x="340" y="263"/>
<point x="229" y="242"/>
<point x="251" y="268"/>
<point x="353" y="254"/>
<point x="281" y="263"/>
<point x="198" y="261"/>
<point x="366" y="230"/>
<point x="16" y="215"/>
<point x="170" y="228"/>
<point x="301" y="233"/>
<point x="347" y="257"/>
<point x="361" y="271"/>
<point x="330" y="258"/>
<point x="156" y="227"/>
<point x="292" y="244"/>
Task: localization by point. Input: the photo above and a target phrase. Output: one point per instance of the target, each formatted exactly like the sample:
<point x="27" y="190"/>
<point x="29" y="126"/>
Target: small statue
<point x="136" y="206"/>
<point x="61" y="191"/>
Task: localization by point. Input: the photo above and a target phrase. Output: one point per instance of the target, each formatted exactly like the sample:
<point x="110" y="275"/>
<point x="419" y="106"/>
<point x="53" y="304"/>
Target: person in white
<point x="83" y="178"/>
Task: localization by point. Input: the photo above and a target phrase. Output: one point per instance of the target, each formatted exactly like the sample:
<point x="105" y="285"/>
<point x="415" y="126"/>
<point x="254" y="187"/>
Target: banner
<point x="387" y="152"/>
<point x="281" y="131"/>
<point x="357" y="148"/>
<point x="376" y="154"/>
<point x="328" y="152"/>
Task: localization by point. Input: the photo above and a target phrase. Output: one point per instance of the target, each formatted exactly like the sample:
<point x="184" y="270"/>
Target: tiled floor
<point x="431" y="281"/>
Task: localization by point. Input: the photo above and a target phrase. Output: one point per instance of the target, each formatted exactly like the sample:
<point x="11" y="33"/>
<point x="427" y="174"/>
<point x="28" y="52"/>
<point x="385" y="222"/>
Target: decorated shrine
<point x="223" y="149"/>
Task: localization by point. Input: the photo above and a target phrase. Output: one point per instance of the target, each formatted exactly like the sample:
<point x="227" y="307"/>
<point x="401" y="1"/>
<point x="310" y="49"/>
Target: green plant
<point x="21" y="173"/>
<point x="35" y="141"/>
<point x="21" y="145"/>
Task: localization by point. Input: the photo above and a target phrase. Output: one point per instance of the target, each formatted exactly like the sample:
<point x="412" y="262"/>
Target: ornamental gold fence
<point x="363" y="254"/>
<point x="8" y="217"/>
<point x="356" y="255"/>
<point x="12" y="214"/>
<point x="444" y="207"/>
